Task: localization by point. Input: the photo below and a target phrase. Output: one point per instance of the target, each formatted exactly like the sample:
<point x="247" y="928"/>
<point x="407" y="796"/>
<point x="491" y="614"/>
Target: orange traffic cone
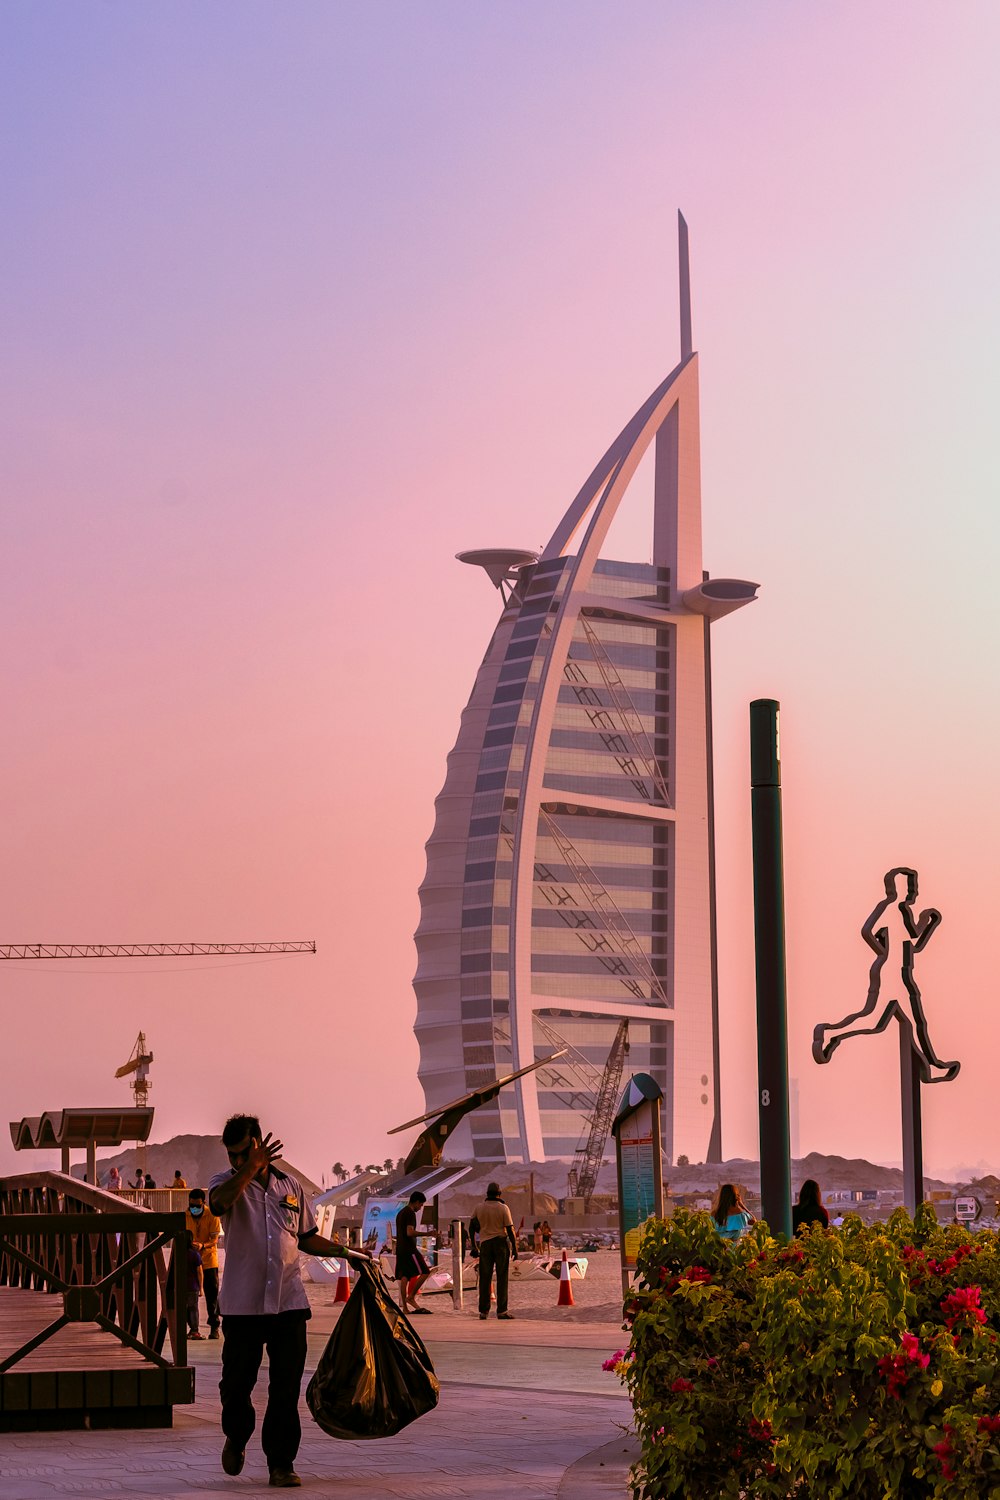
<point x="565" y="1298"/>
<point x="343" y="1291"/>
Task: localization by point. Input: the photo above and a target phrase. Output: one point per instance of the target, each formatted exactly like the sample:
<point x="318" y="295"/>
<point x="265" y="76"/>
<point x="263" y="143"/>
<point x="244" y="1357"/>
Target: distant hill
<point x="199" y="1157"/>
<point x="833" y="1173"/>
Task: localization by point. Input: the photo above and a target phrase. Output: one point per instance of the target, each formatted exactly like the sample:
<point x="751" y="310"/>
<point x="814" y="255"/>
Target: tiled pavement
<point x="521" y="1415"/>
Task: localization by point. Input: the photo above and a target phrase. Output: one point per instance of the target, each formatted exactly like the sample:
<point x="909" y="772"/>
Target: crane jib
<point x="146" y="950"/>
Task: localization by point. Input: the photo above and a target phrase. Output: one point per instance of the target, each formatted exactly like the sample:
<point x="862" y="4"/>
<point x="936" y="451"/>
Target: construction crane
<point x="138" y="1063"/>
<point x="146" y="950"/>
<point x="138" y="1066"/>
<point x="587" y="1162"/>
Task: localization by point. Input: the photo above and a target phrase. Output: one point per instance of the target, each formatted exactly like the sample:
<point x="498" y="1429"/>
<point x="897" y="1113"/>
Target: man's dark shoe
<point x="233" y="1458"/>
<point x="214" y="1333"/>
<point x="509" y="1316"/>
<point x="483" y="1317"/>
<point x="284" y="1479"/>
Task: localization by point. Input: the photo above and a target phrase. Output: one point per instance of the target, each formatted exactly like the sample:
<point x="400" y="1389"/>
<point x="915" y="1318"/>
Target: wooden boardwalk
<point x="81" y="1376"/>
<point x="78" y="1346"/>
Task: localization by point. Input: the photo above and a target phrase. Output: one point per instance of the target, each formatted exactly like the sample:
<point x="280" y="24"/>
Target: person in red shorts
<point x="411" y="1268"/>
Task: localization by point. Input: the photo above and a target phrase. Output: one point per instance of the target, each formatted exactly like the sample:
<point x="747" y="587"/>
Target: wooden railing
<point x="114" y="1264"/>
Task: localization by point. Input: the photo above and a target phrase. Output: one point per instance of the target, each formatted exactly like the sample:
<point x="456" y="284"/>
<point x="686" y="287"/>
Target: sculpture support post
<point x="457" y="1263"/>
<point x="769" y="932"/>
<point x="909" y="1092"/>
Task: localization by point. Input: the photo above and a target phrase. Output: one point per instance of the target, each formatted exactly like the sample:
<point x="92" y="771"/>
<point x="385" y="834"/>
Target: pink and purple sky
<point x="300" y="300"/>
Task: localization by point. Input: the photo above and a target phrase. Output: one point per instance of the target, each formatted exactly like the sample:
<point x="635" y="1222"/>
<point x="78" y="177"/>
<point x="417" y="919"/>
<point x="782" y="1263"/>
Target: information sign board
<point x="967" y="1209"/>
<point x="378" y="1227"/>
<point x="640" y="1165"/>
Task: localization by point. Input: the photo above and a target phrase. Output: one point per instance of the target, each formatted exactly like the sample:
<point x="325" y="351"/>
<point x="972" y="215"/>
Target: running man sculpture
<point x="896" y="936"/>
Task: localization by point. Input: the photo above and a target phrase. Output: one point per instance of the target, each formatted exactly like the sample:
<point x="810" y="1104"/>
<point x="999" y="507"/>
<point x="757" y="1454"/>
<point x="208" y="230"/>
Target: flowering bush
<point x="858" y="1364"/>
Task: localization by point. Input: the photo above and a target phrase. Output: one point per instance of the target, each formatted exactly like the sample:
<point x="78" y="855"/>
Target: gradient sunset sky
<point x="298" y="301"/>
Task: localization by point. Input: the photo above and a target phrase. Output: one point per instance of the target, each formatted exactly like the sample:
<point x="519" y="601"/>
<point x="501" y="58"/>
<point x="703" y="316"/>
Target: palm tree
<point x="358" y="1169"/>
<point x="338" y="1170"/>
<point x="388" y="1164"/>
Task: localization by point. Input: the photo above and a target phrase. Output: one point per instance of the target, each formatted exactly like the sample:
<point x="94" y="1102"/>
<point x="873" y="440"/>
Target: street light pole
<point x="769" y="933"/>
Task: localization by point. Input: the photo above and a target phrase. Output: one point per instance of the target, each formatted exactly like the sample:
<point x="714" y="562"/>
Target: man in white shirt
<point x="267" y="1221"/>
<point x="493" y="1242"/>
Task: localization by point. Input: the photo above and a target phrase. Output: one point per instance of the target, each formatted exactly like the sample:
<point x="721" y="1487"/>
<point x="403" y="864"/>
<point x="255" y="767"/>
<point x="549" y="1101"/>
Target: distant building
<point x="570" y="872"/>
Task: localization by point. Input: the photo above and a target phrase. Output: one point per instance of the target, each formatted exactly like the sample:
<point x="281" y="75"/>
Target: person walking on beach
<point x="267" y="1221"/>
<point x="494" y="1243"/>
<point x="546" y="1237"/>
<point x="411" y="1268"/>
<point x="204" y="1228"/>
<point x="731" y="1216"/>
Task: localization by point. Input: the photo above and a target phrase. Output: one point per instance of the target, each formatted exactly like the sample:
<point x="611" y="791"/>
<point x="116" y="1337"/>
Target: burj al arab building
<point x="570" y="873"/>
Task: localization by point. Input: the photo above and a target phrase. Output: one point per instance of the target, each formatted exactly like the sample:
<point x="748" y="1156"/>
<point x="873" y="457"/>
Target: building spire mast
<point x="684" y="276"/>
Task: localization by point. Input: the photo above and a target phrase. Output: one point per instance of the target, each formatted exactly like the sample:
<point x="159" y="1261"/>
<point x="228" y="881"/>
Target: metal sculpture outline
<point x="909" y="1011"/>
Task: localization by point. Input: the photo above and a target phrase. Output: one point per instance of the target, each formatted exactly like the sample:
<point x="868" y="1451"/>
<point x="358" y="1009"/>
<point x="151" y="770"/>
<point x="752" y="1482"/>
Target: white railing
<point x="160" y="1200"/>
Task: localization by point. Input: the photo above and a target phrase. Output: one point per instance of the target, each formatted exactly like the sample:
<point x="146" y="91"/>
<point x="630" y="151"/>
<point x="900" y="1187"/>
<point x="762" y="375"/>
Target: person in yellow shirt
<point x="178" y="1181"/>
<point x="204" y="1227"/>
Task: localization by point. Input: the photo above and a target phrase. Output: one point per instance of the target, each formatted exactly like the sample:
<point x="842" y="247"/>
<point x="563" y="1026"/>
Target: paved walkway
<point x="525" y="1411"/>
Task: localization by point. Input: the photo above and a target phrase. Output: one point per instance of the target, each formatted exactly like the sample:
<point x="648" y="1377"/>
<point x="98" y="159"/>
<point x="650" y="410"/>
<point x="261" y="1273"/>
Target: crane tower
<point x="138" y="1066"/>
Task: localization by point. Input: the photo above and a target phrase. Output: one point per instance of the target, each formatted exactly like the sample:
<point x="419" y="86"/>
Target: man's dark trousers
<point x="494" y="1253"/>
<point x="245" y="1338"/>
<point x="210" y="1286"/>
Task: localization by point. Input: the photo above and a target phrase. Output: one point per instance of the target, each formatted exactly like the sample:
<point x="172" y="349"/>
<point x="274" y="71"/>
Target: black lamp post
<point x="769" y="933"/>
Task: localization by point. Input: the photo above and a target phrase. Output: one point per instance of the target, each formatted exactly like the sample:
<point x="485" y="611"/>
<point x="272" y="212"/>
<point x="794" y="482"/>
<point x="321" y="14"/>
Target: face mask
<point x="194" y="1210"/>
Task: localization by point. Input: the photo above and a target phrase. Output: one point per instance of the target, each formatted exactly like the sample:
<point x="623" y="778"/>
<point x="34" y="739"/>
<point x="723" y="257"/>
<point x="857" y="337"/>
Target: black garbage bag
<point x="375" y="1376"/>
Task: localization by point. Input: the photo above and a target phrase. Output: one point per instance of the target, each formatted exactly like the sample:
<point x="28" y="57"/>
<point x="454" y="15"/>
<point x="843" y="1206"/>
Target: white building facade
<point x="570" y="873"/>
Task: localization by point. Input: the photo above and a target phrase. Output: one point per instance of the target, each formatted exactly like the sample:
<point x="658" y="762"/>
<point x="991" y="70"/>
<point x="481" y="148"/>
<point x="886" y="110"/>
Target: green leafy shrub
<point x="858" y="1363"/>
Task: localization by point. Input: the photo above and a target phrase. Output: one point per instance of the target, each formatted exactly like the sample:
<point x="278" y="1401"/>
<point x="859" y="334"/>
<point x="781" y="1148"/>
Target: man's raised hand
<point x="263" y="1153"/>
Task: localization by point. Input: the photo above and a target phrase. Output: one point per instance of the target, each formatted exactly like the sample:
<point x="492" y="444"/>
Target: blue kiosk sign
<point x="640" y="1165"/>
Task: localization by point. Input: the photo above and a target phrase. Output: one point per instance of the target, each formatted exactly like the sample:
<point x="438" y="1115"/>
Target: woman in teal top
<point x="731" y="1216"/>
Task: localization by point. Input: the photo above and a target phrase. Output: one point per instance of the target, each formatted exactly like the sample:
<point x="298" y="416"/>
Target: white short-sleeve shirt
<point x="263" y="1229"/>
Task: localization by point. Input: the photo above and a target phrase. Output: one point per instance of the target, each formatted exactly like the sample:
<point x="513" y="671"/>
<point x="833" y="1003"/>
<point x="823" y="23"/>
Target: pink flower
<point x="680" y="1385"/>
<point x="943" y="1452"/>
<point x="760" y="1431"/>
<point x="963" y="1305"/>
<point x="615" y="1359"/>
<point x="896" y="1367"/>
<point x="910" y="1345"/>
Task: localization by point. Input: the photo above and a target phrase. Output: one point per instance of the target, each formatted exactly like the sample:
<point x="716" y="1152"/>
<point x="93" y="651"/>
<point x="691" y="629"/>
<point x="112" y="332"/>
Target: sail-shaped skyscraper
<point x="570" y="874"/>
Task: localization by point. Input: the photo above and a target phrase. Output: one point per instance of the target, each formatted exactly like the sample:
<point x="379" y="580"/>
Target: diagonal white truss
<point x="619" y="933"/>
<point x="627" y="712"/>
